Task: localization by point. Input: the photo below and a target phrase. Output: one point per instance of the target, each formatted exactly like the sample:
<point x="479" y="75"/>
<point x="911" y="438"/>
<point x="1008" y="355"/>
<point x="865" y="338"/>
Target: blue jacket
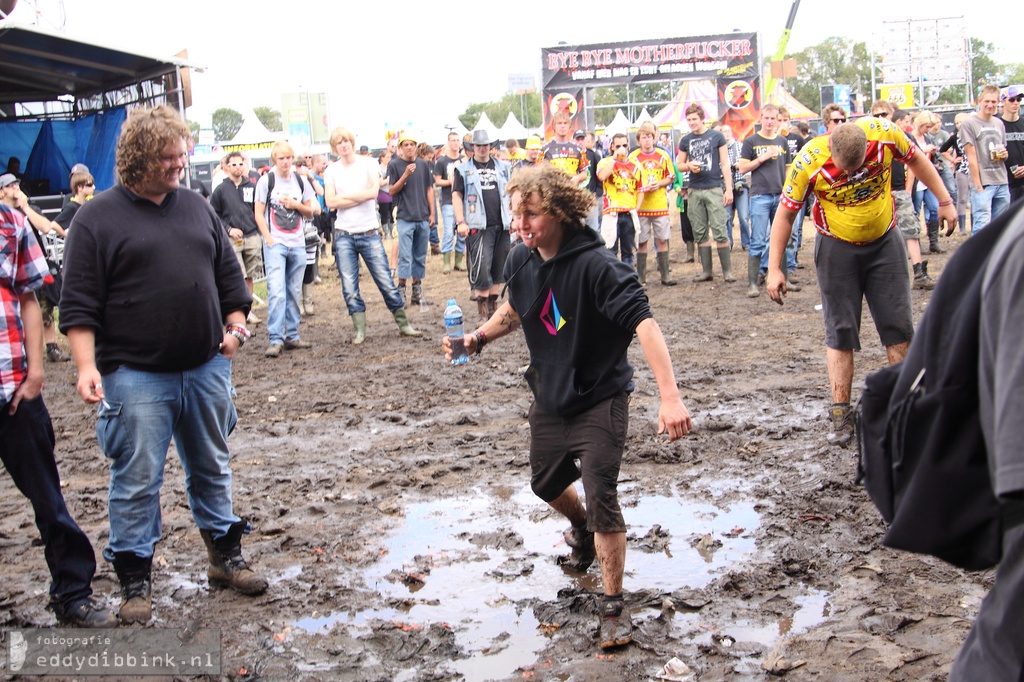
<point x="477" y="220"/>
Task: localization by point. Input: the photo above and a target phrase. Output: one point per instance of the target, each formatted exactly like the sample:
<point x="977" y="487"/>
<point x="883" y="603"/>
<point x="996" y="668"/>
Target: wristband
<point x="481" y="340"/>
<point x="946" y="203"/>
<point x="239" y="332"/>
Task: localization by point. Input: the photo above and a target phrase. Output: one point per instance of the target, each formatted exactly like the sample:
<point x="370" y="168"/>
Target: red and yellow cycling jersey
<point x="622" y="186"/>
<point x="655" y="166"/>
<point x="859" y="207"/>
<point x="568" y="156"/>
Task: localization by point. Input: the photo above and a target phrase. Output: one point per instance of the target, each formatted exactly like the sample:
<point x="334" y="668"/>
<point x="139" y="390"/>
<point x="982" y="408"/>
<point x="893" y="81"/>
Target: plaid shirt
<point x="23" y="269"/>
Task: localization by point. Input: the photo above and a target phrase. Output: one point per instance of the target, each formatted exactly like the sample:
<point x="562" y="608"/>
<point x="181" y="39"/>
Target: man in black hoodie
<point x="565" y="290"/>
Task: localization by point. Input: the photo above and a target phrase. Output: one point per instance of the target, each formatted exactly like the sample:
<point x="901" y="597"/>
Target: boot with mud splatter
<point x="581" y="541"/>
<point x="842" y="424"/>
<point x="227" y="567"/>
<point x="616" y="624"/>
<point x="133" y="572"/>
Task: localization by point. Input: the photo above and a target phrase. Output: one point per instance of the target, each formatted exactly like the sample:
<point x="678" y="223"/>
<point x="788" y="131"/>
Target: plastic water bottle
<point x="455" y="331"/>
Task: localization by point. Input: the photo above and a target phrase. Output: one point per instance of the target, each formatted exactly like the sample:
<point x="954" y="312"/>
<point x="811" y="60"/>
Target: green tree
<point x="526" y="109"/>
<point x="226" y="123"/>
<point x="834" y="60"/>
<point x="270" y="118"/>
<point x="194" y="129"/>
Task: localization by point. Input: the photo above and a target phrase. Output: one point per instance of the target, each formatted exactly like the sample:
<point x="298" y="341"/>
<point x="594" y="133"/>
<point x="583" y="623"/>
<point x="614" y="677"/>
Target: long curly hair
<point x="144" y="136"/>
<point x="559" y="196"/>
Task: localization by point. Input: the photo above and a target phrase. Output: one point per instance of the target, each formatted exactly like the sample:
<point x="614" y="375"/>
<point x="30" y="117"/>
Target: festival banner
<point x="568" y="101"/>
<point x="730" y="54"/>
<point x="739" y="104"/>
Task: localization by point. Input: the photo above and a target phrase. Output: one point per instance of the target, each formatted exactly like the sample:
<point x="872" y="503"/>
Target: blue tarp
<point x="48" y="149"/>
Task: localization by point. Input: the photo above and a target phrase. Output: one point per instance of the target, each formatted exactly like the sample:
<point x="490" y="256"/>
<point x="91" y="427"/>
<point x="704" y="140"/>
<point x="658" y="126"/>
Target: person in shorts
<point x="857" y="254"/>
<point x="566" y="289"/>
<point x="907" y="219"/>
<point x="657" y="175"/>
<point x="483" y="218"/>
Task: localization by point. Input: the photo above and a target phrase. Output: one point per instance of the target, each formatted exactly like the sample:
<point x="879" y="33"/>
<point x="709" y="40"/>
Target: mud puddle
<point x="471" y="562"/>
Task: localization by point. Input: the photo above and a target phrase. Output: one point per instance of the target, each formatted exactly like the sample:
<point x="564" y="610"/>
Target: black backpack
<point x="270" y="189"/>
<point x="922" y="455"/>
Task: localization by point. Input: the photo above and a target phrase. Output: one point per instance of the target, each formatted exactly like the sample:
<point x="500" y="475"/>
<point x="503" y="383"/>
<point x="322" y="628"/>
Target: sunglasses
<point x="881" y="114"/>
<point x="839" y="120"/>
<point x="619" y="146"/>
<point x="1016" y="99"/>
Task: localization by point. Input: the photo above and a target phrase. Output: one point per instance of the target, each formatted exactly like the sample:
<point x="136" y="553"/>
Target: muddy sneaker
<point x="581" y="541"/>
<point x="292" y="344"/>
<point x="273" y="350"/>
<point x="616" y="625"/>
<point x="55" y="354"/>
<point x="85" y="614"/>
<point x="842" y="424"/>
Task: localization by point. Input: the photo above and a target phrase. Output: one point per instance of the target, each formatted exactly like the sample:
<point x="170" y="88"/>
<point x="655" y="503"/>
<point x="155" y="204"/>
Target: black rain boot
<point x="933" y="236"/>
<point x="134" y="572"/>
<point x="921" y="278"/>
<point x="227" y="567"/>
<point x="641" y="266"/>
<point x="753" y="269"/>
<point x="705" y="263"/>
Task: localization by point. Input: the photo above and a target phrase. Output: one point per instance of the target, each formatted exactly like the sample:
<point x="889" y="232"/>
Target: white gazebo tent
<point x="512" y="129"/>
<point x="253" y="132"/>
<point x="485" y="124"/>
<point x="644" y="116"/>
<point x="619" y="124"/>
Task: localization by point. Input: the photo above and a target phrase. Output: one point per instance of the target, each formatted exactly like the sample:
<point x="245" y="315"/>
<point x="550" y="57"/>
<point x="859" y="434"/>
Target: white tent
<point x="253" y="132"/>
<point x="512" y="129"/>
<point x="485" y="124"/>
<point x="644" y="116"/>
<point x="619" y="124"/>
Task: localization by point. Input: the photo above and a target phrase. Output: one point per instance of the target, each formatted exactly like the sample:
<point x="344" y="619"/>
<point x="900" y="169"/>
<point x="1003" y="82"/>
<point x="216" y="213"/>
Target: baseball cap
<point x="8" y="179"/>
<point x="363" y="149"/>
<point x="79" y="168"/>
<point x="533" y="142"/>
<point x="1014" y="91"/>
<point x="579" y="133"/>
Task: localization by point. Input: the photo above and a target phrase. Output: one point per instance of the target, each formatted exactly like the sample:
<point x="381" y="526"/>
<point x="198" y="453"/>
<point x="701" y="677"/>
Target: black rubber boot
<point x="933" y="236"/>
<point x="705" y="263"/>
<point x="753" y="268"/>
<point x="133" y="572"/>
<point x="921" y="278"/>
<point x="227" y="567"/>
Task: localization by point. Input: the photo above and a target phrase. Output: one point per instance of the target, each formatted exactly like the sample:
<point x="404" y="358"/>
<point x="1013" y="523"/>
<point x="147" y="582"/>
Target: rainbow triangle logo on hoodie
<point x="550" y="316"/>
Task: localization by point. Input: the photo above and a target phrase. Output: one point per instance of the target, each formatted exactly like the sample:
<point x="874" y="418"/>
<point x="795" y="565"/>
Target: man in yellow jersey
<point x="622" y="181"/>
<point x="562" y="152"/>
<point x="857" y="253"/>
<point x="657" y="173"/>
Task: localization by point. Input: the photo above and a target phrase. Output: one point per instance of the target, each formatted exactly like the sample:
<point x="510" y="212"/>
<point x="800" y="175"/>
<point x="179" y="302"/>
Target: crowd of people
<point x="563" y="227"/>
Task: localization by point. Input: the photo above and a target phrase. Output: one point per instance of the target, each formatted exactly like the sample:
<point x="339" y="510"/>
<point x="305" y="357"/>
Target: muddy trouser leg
<point x="994" y="649"/>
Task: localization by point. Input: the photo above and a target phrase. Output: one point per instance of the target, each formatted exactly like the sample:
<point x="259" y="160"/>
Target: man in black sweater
<point x="155" y="308"/>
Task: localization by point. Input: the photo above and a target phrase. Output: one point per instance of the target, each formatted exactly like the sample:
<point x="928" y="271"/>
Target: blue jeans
<point x="987" y="204"/>
<point x="452" y="239"/>
<point x="740" y="206"/>
<point x="412" y="248"/>
<point x="796" y="238"/>
<point x="930" y="202"/>
<point x="284" y="267"/>
<point x="139" y="415"/>
<point x="26" y="448"/>
<point x="347" y="250"/>
<point x="762" y="213"/>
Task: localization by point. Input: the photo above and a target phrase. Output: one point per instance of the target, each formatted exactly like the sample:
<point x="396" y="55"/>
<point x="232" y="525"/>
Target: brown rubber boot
<point x="492" y="305"/>
<point x="133" y="572"/>
<point x="481" y="309"/>
<point x="227" y="567"/>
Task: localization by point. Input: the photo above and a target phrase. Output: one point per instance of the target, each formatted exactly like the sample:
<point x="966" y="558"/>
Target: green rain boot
<point x="641" y="267"/>
<point x="725" y="258"/>
<point x="666" y="279"/>
<point x="403" y="323"/>
<point x="705" y="262"/>
<point x="458" y="262"/>
<point x="753" y="268"/>
<point x="447" y="256"/>
<point x="359" y="322"/>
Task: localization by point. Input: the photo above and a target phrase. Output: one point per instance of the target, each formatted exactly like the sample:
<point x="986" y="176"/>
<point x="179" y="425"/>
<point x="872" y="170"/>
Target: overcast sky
<point x="417" y="62"/>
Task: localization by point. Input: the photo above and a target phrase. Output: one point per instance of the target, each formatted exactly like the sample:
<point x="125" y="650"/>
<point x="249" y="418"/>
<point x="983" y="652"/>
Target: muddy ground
<point x="391" y="511"/>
